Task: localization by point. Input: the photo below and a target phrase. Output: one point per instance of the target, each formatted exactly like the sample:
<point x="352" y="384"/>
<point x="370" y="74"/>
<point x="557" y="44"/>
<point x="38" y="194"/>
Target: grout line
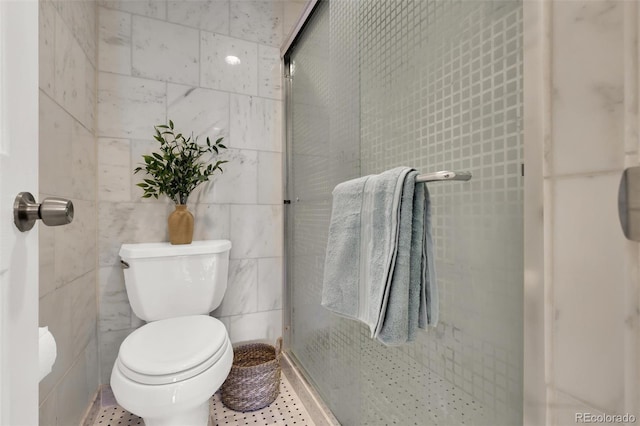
<point x="277" y="100"/>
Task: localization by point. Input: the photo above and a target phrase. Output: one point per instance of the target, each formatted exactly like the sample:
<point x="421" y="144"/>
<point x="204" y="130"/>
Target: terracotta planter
<point x="181" y="225"/>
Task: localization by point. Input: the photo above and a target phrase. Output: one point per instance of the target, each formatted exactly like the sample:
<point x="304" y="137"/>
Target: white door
<point x="19" y="250"/>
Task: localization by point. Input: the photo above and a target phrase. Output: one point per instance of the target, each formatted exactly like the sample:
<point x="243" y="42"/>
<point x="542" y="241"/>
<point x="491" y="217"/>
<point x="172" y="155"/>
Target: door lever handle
<point x="53" y="211"/>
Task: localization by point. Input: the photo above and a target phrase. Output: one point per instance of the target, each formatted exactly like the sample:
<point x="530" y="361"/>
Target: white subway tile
<point x="238" y="183"/>
<point x="588" y="94"/>
<point x="259" y="21"/>
<point x="228" y="64"/>
<point x="110" y="342"/>
<point x="164" y="51"/>
<point x="242" y="289"/>
<point x="589" y="290"/>
<point x="120" y="223"/>
<point x="208" y="15"/>
<point x="211" y="221"/>
<point x="129" y="107"/>
<point x="75" y="244"/>
<point x="70" y="72"/>
<point x="80" y="18"/>
<point x="265" y="326"/>
<point x="115" y="310"/>
<point x="151" y="8"/>
<point x="256" y="231"/>
<point x="203" y="112"/>
<point x="84" y="314"/>
<point x="270" y="184"/>
<point x="114" y="53"/>
<point x="269" y="72"/>
<point x="256" y="123"/>
<point x="270" y="283"/>
<point x="91" y="96"/>
<point x="83" y="163"/>
<point x="114" y="170"/>
<point x="55" y="136"/>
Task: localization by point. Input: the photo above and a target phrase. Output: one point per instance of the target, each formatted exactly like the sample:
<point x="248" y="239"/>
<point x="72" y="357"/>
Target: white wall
<point x="161" y="60"/>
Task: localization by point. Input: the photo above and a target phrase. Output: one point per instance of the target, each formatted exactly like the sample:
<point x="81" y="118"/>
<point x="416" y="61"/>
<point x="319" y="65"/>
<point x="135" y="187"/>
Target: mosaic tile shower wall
<point x="433" y="85"/>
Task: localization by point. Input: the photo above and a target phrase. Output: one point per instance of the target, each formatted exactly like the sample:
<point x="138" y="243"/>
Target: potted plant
<point x="175" y="171"/>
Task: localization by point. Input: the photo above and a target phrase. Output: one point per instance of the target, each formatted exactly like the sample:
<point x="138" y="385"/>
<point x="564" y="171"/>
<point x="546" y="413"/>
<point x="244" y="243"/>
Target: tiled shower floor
<point x="286" y="410"/>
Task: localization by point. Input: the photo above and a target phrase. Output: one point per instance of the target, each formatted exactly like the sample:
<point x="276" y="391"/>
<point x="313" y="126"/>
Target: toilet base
<point x="197" y="416"/>
<point x="184" y="403"/>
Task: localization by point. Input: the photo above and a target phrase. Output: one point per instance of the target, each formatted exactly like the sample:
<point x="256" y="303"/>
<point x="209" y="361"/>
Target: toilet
<point x="167" y="370"/>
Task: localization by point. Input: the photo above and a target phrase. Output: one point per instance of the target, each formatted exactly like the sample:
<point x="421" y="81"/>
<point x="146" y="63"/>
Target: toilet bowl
<point x="167" y="370"/>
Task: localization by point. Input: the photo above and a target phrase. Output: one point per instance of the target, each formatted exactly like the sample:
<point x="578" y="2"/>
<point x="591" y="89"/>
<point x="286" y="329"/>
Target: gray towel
<point x="377" y="263"/>
<point x="400" y="319"/>
<point x="429" y="287"/>
<point x="379" y="233"/>
<point x="342" y="267"/>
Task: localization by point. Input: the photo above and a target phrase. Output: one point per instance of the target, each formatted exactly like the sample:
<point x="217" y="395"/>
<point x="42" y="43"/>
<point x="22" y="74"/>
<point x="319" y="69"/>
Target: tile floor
<point x="286" y="410"/>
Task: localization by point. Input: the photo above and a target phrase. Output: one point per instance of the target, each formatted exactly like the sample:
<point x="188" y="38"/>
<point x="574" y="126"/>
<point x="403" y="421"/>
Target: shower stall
<point x="433" y="85"/>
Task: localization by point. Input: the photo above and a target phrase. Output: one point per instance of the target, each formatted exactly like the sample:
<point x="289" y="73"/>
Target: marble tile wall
<point x="67" y="168"/>
<point x="586" y="126"/>
<point x="160" y="60"/>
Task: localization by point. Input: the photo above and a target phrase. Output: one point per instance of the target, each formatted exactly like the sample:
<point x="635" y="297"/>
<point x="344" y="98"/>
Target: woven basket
<point x="254" y="380"/>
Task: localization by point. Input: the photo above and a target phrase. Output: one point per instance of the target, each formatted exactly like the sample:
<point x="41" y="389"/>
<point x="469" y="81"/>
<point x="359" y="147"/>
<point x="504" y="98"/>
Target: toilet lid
<point x="172" y="349"/>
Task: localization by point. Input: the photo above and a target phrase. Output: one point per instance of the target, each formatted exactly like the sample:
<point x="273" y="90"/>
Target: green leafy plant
<point x="178" y="168"/>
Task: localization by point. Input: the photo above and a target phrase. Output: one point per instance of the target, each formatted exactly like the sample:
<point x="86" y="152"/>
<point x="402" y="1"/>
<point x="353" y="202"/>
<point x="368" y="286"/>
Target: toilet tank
<point x="166" y="281"/>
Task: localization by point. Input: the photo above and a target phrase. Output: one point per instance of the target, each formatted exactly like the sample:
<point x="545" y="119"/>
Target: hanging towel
<point x="362" y="244"/>
<point x="399" y="319"/>
<point x="430" y="311"/>
<point x="342" y="264"/>
<point x="377" y="263"/>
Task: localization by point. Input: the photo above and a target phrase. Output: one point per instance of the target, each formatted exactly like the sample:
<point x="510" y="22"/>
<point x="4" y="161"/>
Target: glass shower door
<point x="434" y="85"/>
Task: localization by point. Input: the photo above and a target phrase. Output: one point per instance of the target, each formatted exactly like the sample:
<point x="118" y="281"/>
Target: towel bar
<point x="443" y="175"/>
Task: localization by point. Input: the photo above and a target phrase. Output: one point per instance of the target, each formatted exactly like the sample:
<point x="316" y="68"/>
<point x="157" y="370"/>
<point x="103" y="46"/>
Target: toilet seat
<point x="172" y="350"/>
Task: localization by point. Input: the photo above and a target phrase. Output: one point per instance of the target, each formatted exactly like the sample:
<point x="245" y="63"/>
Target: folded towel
<point x="379" y="233"/>
<point x="361" y="247"/>
<point x="429" y="282"/>
<point x="400" y="318"/>
<point x="379" y="265"/>
<point x="342" y="262"/>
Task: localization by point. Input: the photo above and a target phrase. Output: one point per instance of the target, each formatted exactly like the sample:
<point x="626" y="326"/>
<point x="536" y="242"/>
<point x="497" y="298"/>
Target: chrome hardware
<point x="629" y="203"/>
<point x="53" y="211"/>
<point x="125" y="265"/>
<point x="443" y="175"/>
